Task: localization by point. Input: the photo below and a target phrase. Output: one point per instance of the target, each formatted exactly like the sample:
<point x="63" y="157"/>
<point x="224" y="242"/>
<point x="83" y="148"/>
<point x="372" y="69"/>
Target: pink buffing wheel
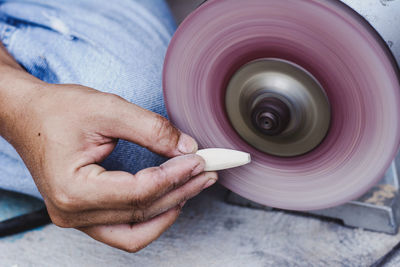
<point x="307" y="87"/>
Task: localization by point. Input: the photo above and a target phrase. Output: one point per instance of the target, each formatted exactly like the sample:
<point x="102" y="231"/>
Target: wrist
<point x="18" y="89"/>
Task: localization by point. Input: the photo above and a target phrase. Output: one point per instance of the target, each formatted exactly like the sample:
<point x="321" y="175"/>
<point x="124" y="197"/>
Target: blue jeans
<point x="112" y="46"/>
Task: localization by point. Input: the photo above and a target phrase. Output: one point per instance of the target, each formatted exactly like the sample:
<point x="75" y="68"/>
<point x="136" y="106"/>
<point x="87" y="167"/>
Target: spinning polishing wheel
<point x="306" y="86"/>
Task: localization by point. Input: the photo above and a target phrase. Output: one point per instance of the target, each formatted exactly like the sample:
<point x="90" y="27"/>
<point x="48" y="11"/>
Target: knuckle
<point x="183" y="199"/>
<point x="183" y="196"/>
<point x="159" y="176"/>
<point x="164" y="132"/>
<point x="140" y="202"/>
<point x="151" y="181"/>
<point x="161" y="179"/>
<point x="139" y="215"/>
<point x="65" y="202"/>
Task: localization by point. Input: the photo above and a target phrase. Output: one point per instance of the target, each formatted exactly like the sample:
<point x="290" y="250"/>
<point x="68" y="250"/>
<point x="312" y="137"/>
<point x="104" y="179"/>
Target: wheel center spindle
<point x="270" y="116"/>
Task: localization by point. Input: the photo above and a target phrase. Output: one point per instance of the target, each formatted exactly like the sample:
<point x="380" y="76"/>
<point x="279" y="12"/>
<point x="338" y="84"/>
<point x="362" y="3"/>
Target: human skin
<point x="62" y="132"/>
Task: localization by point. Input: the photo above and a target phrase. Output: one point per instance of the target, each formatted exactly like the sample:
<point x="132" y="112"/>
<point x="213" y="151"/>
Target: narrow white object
<point x="221" y="159"/>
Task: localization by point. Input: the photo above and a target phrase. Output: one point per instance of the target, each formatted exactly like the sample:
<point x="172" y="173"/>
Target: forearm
<point x="17" y="89"/>
<point x="6" y="60"/>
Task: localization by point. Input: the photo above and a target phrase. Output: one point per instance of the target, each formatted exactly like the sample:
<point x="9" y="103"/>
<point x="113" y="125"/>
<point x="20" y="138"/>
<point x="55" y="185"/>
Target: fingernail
<point x="209" y="183"/>
<point x="186" y="144"/>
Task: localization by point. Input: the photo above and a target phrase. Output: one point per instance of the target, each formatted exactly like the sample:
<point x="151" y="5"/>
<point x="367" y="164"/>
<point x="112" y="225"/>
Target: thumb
<point x="132" y="123"/>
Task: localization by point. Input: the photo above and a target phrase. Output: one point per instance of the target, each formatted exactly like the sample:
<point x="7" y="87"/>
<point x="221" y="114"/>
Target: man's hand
<point x="62" y="132"/>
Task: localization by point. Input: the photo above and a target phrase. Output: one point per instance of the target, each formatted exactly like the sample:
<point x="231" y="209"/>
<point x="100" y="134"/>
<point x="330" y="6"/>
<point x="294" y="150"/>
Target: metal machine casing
<point x="384" y="16"/>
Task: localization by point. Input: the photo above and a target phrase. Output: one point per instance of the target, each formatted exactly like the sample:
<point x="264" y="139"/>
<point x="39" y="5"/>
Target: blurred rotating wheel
<point x="320" y="119"/>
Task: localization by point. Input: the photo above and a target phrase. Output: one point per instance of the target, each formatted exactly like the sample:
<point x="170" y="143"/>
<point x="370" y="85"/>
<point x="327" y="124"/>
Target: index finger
<point x="132" y="123"/>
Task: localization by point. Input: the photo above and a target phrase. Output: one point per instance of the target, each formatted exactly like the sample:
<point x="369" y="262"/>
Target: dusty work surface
<point x="209" y="233"/>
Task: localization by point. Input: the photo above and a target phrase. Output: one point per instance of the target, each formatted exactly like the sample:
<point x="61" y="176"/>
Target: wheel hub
<point x="278" y="107"/>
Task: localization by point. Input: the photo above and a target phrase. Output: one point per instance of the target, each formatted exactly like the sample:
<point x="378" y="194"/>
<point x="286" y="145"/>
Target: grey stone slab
<point x="211" y="233"/>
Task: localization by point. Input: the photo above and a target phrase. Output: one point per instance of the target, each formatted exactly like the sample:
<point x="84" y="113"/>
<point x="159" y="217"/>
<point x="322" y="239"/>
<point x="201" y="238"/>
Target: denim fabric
<point x="112" y="46"/>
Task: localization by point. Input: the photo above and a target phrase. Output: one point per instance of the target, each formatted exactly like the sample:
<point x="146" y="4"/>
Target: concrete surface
<point x="211" y="233"/>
